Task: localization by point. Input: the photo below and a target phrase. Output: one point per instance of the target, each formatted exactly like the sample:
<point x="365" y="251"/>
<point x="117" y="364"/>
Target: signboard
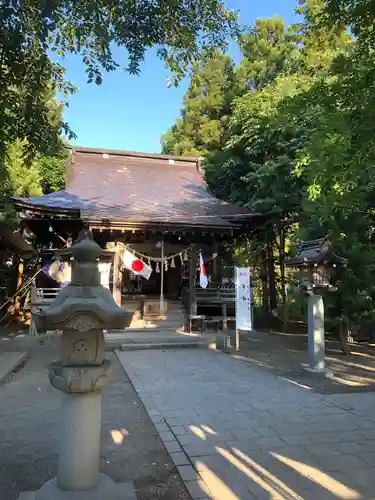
<point x="243" y="299"/>
<point x="104" y="270"/>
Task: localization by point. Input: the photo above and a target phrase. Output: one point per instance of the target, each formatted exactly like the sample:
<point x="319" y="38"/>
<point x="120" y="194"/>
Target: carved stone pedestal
<point x="78" y="476"/>
<point x="106" y="489"/>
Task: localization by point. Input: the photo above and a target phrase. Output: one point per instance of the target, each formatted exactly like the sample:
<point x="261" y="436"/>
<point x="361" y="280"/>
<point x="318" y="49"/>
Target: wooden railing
<point x="213" y="302"/>
<point x="43" y="296"/>
<point x="40" y="298"/>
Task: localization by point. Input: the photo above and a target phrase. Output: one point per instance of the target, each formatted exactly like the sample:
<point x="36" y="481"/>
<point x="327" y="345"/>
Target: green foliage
<point x="358" y="16"/>
<point x="299" y="147"/>
<point x="32" y="30"/>
<point x="203" y="123"/>
<point x="52" y="169"/>
<point x="24" y="176"/>
<point x="18" y="180"/>
<point x="269" y="51"/>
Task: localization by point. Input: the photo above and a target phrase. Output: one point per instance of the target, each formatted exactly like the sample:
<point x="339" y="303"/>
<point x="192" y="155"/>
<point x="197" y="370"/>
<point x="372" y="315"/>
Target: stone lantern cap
<point x="315" y="252"/>
<point x="84" y="304"/>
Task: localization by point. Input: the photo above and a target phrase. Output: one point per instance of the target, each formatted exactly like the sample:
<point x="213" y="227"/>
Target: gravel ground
<point x="29" y="426"/>
<point x="286" y="355"/>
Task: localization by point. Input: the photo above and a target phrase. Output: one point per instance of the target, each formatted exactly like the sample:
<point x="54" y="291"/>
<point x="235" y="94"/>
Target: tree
<point x="206" y="108"/>
<point x="257" y="169"/>
<point x="16" y="179"/>
<point x="52" y="169"/>
<point x="269" y="50"/>
<point x="43" y="174"/>
<point x="358" y="16"/>
<point x="299" y="147"/>
<point x="31" y="30"/>
<point x="338" y="168"/>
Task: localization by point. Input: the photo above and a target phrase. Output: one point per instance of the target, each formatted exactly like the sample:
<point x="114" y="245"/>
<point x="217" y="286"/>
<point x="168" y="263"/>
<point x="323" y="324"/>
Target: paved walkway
<point x="240" y="432"/>
<point x="29" y="427"/>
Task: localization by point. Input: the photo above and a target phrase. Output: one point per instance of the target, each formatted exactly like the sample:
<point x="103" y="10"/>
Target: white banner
<point x="243" y="299"/>
<point x="104" y="269"/>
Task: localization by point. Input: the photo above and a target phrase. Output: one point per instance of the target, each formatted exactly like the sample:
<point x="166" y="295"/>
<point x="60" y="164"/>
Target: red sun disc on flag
<point x="137" y="266"/>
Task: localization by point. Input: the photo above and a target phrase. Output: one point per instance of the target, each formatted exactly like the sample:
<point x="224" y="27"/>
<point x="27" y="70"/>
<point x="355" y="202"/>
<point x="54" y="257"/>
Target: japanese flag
<point x="203" y="280"/>
<point x="137" y="266"/>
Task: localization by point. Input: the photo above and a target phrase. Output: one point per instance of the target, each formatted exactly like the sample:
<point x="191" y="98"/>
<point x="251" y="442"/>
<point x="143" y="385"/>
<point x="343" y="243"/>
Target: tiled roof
<point x="125" y="186"/>
<point x="61" y="200"/>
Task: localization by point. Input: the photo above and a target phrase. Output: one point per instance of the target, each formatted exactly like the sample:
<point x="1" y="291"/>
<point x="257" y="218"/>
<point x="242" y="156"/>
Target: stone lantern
<point x="82" y="310"/>
<point x="316" y="264"/>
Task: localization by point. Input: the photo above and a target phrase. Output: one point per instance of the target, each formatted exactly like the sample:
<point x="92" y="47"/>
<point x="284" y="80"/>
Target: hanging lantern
<point x="173" y="265"/>
<point x="157" y="268"/>
<point x="315" y="262"/>
<point x="166" y="264"/>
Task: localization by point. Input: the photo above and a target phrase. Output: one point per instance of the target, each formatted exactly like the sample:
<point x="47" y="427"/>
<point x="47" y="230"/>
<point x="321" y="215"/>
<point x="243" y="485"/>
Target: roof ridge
<point x="134" y="154"/>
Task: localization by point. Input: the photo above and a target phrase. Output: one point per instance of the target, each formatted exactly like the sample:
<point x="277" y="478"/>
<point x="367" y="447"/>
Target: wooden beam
<point x="17" y="301"/>
<point x="193" y="259"/>
<point x="215" y="262"/>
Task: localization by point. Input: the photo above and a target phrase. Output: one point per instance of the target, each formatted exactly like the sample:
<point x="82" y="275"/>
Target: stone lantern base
<point x="106" y="489"/>
<point x="78" y="476"/>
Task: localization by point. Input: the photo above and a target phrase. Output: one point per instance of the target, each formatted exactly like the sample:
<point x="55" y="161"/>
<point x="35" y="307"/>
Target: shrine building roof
<point x="123" y="186"/>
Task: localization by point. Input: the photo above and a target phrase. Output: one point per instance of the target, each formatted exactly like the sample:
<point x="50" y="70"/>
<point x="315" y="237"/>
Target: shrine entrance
<point x="155" y="206"/>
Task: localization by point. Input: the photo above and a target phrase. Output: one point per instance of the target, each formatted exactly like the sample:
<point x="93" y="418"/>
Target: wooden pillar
<point x="192" y="277"/>
<point x="225" y="316"/>
<point x="17" y="301"/>
<point x="117" y="274"/>
<point x="215" y="263"/>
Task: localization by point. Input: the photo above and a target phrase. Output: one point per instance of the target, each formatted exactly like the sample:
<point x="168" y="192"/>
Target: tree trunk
<point x="264" y="278"/>
<point x="282" y="264"/>
<point x="271" y="276"/>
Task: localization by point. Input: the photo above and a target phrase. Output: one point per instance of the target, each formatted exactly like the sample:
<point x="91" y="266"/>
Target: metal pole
<point x="162" y="279"/>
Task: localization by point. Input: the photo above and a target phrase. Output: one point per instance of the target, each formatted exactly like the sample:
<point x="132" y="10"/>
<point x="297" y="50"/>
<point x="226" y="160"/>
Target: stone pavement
<point x="240" y="432"/>
<point x="29" y="431"/>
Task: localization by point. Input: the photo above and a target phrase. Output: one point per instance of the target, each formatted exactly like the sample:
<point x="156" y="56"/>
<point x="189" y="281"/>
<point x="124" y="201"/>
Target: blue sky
<point x="132" y="112"/>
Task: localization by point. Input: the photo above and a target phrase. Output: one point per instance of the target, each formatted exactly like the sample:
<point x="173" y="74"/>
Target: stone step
<point x="162" y="345"/>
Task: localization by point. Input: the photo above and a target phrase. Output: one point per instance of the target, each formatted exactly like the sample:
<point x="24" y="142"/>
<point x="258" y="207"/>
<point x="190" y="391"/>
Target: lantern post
<point x="316" y="262"/>
<point x="81" y="310"/>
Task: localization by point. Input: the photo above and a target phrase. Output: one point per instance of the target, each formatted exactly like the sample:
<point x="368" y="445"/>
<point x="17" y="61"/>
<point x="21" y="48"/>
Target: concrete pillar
<point x="79" y="450"/>
<point x="316" y="333"/>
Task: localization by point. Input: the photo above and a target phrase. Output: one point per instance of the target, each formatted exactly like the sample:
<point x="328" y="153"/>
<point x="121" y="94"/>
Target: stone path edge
<point x="193" y="481"/>
<point x="21" y="358"/>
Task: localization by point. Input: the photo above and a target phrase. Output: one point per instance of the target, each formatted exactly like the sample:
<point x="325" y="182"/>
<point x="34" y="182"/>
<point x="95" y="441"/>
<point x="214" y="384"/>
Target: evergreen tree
<point x="203" y="123"/>
<point x="269" y="50"/>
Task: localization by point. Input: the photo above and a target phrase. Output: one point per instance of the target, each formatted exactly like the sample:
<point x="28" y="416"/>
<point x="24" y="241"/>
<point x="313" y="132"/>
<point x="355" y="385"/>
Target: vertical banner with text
<point x="243" y="299"/>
